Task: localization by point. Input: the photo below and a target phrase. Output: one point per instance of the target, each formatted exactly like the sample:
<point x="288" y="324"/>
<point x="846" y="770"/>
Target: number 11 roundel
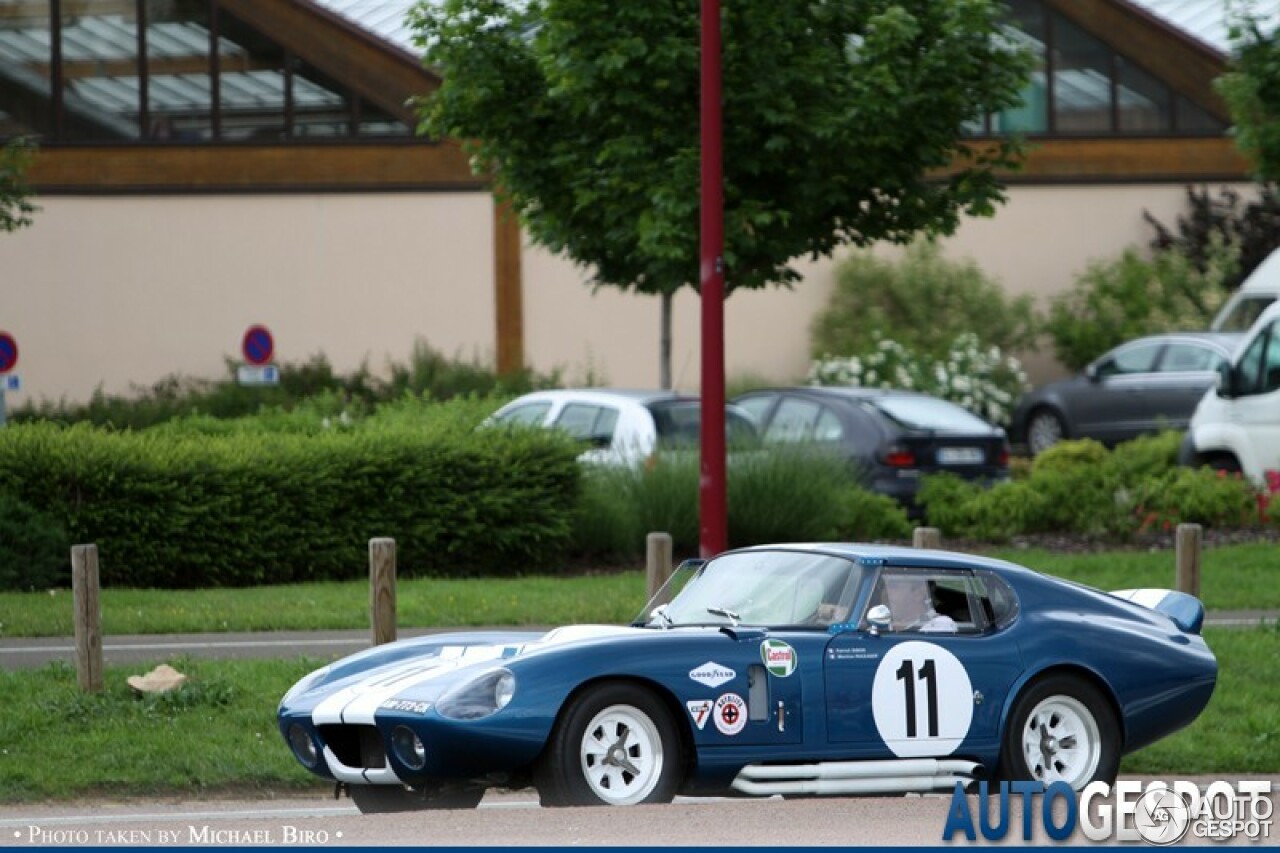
<point x="922" y="700"/>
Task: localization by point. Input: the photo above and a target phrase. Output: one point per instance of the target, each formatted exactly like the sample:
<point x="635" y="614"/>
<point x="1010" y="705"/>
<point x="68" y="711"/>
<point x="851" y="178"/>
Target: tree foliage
<point x="15" y="206"/>
<point x="1252" y="226"/>
<point x="842" y="124"/>
<point x="1252" y="92"/>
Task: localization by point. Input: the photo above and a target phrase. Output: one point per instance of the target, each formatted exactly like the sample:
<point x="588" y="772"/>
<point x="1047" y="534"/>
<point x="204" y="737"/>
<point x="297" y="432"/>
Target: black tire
<point x="607" y="724"/>
<point x="1062" y="729"/>
<point x="1045" y="428"/>
<point x="1224" y="462"/>
<point x="387" y="799"/>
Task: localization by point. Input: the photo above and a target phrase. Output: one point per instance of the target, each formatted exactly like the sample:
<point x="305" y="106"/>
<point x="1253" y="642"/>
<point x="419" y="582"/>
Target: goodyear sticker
<point x="779" y="658"/>
<point x="730" y="714"/>
<point x="712" y="674"/>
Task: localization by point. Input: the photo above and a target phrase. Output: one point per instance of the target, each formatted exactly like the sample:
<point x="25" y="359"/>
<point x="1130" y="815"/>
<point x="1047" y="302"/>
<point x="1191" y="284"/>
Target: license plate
<point x="961" y="456"/>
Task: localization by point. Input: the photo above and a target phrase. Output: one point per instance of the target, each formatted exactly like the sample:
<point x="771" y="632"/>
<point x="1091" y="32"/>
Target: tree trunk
<point x="664" y="345"/>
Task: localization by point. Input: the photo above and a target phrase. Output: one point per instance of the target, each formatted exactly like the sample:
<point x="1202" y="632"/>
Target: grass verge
<point x="218" y="732"/>
<point x="1233" y="577"/>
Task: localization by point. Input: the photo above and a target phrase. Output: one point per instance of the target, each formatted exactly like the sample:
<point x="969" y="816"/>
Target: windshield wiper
<point x="733" y="618"/>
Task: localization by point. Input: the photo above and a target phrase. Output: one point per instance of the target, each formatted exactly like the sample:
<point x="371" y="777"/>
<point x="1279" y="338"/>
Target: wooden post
<point x="657" y="565"/>
<point x="382" y="590"/>
<point x="88" y="617"/>
<point x="1187" y="555"/>
<point x="926" y="537"/>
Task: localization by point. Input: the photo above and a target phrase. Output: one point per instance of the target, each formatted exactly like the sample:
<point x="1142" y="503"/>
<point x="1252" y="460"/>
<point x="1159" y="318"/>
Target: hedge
<point x="169" y="509"/>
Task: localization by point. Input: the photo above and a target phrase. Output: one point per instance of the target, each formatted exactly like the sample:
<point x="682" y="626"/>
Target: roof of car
<point x="847" y="391"/>
<point x="604" y="395"/>
<point x="897" y="554"/>
<point x="1222" y="340"/>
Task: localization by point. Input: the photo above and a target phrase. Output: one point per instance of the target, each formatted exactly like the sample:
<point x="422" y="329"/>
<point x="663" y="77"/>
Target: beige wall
<point x="117" y="290"/>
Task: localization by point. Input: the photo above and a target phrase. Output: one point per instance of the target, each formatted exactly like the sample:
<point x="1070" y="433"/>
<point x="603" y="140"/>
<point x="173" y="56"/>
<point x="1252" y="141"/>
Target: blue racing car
<point x="786" y="669"/>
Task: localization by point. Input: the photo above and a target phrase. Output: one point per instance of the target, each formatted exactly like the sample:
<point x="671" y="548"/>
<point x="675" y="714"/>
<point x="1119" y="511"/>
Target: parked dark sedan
<point x="1142" y="386"/>
<point x="891" y="437"/>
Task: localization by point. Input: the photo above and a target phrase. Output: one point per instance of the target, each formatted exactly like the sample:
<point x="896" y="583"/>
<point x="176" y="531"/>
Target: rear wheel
<point x="1224" y="462"/>
<point x="385" y="799"/>
<point x="615" y="745"/>
<point x="1062" y="730"/>
<point x="1045" y="428"/>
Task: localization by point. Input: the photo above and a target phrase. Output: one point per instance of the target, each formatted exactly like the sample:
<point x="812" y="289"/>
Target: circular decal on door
<point x="779" y="658"/>
<point x="922" y="700"/>
<point x="730" y="714"/>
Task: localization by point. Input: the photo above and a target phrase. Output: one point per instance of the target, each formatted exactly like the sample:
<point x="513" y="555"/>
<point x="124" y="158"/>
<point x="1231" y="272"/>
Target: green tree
<point x="15" y="207"/>
<point x="1252" y="92"/>
<point x="842" y="124"/>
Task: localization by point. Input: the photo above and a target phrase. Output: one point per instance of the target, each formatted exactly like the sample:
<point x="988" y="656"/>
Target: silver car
<point x="1139" y="387"/>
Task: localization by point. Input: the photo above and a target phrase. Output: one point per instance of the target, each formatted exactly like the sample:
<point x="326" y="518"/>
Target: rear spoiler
<point x="1185" y="610"/>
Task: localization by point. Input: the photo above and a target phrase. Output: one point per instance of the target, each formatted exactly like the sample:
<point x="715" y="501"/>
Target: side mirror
<point x="879" y="618"/>
<point x="1091" y="372"/>
<point x="1224" y="384"/>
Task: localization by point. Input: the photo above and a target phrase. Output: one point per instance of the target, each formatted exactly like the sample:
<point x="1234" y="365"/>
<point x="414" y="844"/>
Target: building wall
<point x="110" y="291"/>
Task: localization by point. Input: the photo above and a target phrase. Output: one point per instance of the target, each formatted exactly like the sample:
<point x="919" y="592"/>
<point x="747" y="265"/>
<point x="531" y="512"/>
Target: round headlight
<point x="503" y="689"/>
<point x="408" y="748"/>
<point x="304" y="748"/>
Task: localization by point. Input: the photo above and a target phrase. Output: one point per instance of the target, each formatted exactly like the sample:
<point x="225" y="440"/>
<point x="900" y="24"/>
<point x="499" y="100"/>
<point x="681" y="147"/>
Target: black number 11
<point x="929" y="675"/>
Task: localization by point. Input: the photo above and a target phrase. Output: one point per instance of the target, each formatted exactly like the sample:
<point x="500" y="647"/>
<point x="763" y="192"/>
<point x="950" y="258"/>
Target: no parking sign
<point x="258" y="347"/>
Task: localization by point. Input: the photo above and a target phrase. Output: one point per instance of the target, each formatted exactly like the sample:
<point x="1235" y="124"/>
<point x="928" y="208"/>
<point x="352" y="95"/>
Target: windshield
<point x="761" y="588"/>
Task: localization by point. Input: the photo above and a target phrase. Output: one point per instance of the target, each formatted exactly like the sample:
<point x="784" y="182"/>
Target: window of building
<point x="159" y="71"/>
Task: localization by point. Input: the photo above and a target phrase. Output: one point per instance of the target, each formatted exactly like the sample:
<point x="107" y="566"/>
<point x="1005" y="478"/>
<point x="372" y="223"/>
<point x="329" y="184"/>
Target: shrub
<point x="924" y="302"/>
<point x="1209" y="222"/>
<point x="786" y="495"/>
<point x="1195" y="495"/>
<point x="1118" y="300"/>
<point x="1068" y="455"/>
<point x="199" y="510"/>
<point x="986" y="382"/>
<point x="34" y="547"/>
<point x="1144" y="458"/>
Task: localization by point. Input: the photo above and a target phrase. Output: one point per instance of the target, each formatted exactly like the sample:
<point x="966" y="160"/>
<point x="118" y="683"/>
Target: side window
<point x="927" y="601"/>
<point x="578" y="419"/>
<point x="756" y="406"/>
<point x="530" y="413"/>
<point x="828" y="427"/>
<point x="1185" y="358"/>
<point x="792" y="422"/>
<point x="1138" y="359"/>
<point x="996" y="598"/>
<point x="1259" y="371"/>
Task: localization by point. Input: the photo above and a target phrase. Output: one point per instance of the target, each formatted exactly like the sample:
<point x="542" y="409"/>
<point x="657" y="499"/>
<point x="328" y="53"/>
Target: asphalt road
<point x="26" y="653"/>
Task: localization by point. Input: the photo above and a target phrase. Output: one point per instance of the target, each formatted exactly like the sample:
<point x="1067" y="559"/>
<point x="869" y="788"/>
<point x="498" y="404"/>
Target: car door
<point x="921" y="692"/>
<point x="1255" y="411"/>
<point x="1114" y="404"/>
<point x="1185" y="371"/>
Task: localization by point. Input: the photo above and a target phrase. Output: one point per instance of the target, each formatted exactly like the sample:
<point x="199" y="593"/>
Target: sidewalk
<point x="30" y="652"/>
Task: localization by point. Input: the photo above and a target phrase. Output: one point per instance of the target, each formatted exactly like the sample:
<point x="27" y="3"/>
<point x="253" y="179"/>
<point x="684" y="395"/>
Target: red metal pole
<point x="712" y="491"/>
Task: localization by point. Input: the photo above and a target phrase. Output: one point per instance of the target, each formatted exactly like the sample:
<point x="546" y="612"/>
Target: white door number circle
<point x="922" y="700"/>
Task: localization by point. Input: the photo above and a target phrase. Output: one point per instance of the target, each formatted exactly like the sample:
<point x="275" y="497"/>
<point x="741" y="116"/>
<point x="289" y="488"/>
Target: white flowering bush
<point x="981" y="379"/>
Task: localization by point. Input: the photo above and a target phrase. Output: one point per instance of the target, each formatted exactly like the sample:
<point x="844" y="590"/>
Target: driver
<point x="911" y="606"/>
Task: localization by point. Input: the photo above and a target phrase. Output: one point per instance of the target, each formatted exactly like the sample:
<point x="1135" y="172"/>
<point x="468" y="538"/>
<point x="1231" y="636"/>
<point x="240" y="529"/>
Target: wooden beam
<point x="196" y="168"/>
<point x="1186" y="64"/>
<point x="380" y="74"/>
<point x="508" y="289"/>
<point x="1168" y="160"/>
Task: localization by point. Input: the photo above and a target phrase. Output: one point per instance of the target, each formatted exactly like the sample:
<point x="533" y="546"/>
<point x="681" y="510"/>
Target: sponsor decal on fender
<point x="730" y="714"/>
<point x="712" y="674"/>
<point x="779" y="658"/>
<point x="407" y="706"/>
<point x="700" y="710"/>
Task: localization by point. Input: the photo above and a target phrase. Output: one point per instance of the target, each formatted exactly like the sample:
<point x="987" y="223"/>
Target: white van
<point x="1236" y="426"/>
<point x="1259" y="290"/>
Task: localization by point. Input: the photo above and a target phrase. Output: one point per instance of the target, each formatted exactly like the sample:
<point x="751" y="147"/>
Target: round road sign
<point x="8" y="352"/>
<point x="257" y="346"/>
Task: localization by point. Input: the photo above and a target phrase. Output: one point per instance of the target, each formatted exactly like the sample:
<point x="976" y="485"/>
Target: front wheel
<point x="615" y="745"/>
<point x="1062" y="730"/>
<point x="387" y="799"/>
